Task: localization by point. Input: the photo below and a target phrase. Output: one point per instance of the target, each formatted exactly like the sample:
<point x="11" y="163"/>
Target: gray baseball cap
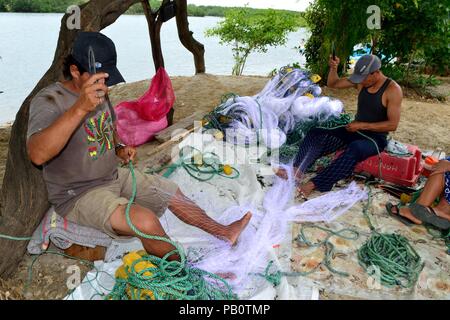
<point x="366" y="64"/>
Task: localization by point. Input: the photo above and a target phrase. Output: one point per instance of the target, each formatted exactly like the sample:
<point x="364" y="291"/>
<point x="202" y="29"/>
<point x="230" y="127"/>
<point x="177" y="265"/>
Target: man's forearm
<point x="48" y="143"/>
<point x="383" y="126"/>
<point x="333" y="77"/>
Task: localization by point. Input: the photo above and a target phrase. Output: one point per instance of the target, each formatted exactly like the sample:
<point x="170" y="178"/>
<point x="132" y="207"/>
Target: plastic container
<point x="428" y="165"/>
<point x="403" y="171"/>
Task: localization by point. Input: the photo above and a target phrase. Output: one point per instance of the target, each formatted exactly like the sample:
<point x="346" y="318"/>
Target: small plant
<point x="248" y="31"/>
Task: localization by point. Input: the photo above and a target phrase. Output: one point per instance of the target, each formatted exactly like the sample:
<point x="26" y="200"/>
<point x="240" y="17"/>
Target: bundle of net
<point x="264" y="117"/>
<point x="309" y="113"/>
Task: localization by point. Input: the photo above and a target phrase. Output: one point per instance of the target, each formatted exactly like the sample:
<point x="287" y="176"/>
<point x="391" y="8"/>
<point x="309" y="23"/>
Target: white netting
<point x="273" y="113"/>
<point x="319" y="109"/>
<point x="200" y="214"/>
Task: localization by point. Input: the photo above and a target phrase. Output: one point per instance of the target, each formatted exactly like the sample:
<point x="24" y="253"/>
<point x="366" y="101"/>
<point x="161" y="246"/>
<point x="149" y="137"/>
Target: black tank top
<point x="370" y="105"/>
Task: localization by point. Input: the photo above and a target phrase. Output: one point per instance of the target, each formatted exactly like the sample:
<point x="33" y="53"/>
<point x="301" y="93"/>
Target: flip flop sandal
<point x="429" y="216"/>
<point x="405" y="221"/>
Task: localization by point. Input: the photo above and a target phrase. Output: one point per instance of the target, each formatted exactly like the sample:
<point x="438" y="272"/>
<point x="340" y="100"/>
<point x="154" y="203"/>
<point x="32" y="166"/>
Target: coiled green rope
<point x="168" y="279"/>
<point x="200" y="166"/>
<point x="392" y="254"/>
<point x="349" y="234"/>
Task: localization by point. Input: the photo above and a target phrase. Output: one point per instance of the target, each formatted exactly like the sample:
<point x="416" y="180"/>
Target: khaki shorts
<point x="95" y="208"/>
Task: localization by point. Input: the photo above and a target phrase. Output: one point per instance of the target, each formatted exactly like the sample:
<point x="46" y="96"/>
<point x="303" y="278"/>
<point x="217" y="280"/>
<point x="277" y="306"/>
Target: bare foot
<point x="236" y="228"/>
<point x="282" y="173"/>
<point x="306" y="189"/>
<point x="227" y="275"/>
<point x="406" y="213"/>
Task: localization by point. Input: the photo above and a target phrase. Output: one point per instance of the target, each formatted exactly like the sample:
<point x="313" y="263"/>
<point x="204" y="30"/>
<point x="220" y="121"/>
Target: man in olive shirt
<point x="71" y="134"/>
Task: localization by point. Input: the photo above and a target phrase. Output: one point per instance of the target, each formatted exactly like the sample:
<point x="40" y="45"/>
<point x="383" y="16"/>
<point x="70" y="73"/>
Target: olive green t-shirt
<point x="88" y="160"/>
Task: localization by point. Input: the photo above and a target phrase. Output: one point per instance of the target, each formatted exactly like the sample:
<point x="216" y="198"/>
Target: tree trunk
<point x="23" y="195"/>
<point x="154" y="29"/>
<point x="187" y="39"/>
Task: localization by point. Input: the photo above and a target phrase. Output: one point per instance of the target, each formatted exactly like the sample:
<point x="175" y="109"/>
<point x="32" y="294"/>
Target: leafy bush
<point x="250" y="31"/>
<point x="411" y="30"/>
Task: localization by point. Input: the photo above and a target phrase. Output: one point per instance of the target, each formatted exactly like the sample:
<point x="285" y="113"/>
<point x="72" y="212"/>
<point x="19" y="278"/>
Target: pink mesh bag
<point x="138" y="121"/>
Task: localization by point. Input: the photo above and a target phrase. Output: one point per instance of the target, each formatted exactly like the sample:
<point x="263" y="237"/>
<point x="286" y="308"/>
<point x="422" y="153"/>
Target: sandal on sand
<point x="396" y="215"/>
<point x="429" y="216"/>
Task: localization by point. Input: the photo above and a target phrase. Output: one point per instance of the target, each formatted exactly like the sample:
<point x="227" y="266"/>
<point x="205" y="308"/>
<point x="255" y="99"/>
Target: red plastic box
<point x="404" y="171"/>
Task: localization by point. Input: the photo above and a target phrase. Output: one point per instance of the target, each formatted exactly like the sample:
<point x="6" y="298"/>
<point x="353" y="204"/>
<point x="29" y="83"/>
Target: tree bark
<point x="154" y="29"/>
<point x="187" y="39"/>
<point x="23" y="195"/>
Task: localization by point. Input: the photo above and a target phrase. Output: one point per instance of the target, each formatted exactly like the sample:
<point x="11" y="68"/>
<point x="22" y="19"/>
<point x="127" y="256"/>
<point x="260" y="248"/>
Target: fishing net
<point x="288" y="100"/>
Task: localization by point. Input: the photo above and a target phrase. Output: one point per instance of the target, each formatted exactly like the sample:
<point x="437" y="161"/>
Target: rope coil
<point x="200" y="166"/>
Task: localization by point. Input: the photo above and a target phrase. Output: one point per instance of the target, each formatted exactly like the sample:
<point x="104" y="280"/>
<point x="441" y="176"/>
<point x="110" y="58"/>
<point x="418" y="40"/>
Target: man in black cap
<point x="71" y="134"/>
<point x="379" y="103"/>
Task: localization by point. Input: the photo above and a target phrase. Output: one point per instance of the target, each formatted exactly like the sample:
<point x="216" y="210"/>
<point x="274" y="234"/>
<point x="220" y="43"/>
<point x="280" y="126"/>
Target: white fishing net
<point x="196" y="219"/>
<point x="274" y="112"/>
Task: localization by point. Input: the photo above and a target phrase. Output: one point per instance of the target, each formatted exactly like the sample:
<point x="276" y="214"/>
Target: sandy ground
<point x="424" y="123"/>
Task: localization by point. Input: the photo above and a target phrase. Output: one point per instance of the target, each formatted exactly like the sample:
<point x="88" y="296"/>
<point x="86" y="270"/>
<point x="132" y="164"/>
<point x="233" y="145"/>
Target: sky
<point x="294" y="5"/>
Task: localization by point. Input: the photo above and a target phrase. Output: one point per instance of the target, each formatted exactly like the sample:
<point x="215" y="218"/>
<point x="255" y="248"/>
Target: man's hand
<point x="127" y="154"/>
<point x="92" y="93"/>
<point x="334" y="63"/>
<point x="354" y="126"/>
<point x="442" y="166"/>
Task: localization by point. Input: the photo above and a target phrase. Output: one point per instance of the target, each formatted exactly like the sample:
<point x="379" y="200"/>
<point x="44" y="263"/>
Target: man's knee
<point x="361" y="150"/>
<point x="142" y="218"/>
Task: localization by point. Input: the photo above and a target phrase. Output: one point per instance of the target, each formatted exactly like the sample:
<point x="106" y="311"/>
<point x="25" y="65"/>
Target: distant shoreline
<point x="193" y="10"/>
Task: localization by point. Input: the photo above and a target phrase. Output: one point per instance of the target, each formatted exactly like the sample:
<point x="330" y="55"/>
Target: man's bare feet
<point x="227" y="275"/>
<point x="282" y="173"/>
<point x="235" y="229"/>
<point x="306" y="189"/>
<point x="406" y="213"/>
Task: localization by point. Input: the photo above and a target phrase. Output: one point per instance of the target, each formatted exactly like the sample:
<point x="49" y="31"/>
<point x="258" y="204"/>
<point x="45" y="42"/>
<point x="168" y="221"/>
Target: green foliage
<point x="341" y="22"/>
<point x="417" y="31"/>
<point x="412" y="32"/>
<point x="250" y="31"/>
<point x="137" y="8"/>
<point x="37" y="5"/>
<point x="399" y="72"/>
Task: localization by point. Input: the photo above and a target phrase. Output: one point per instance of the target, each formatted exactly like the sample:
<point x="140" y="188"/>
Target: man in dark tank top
<point x="379" y="103"/>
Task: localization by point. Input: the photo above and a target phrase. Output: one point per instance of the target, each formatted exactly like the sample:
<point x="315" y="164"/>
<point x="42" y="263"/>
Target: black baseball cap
<point x="366" y="65"/>
<point x="104" y="52"/>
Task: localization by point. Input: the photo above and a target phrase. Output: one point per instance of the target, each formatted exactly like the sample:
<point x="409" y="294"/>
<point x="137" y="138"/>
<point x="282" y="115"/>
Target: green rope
<point x="275" y="277"/>
<point x="348" y="234"/>
<point x="4" y="236"/>
<point x="399" y="264"/>
<point x="83" y="261"/>
<point x="169" y="279"/>
<point x="207" y="168"/>
<point x="392" y="254"/>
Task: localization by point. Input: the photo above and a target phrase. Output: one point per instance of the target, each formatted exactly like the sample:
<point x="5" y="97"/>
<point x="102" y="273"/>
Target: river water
<point x="28" y="43"/>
